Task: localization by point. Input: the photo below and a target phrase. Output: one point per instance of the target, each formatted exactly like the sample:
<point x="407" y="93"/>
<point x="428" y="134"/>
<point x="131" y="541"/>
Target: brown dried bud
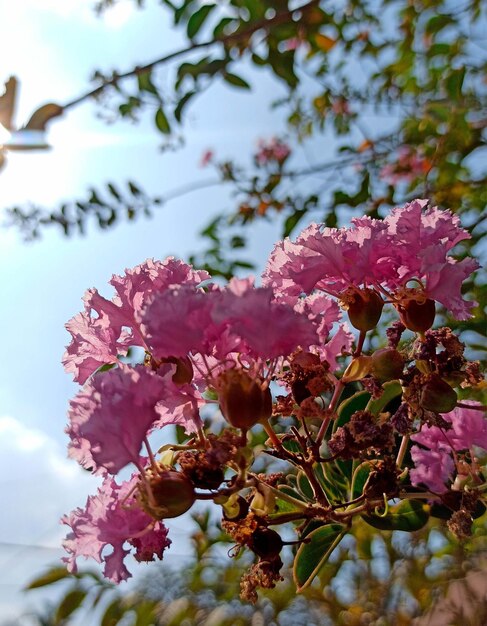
<point x="170" y="494"/>
<point x="418" y="315"/>
<point x="437" y="395"/>
<point x="266" y="543"/>
<point x="244" y="400"/>
<point x="364" y="309"/>
<point x="387" y="364"/>
<point x="460" y="524"/>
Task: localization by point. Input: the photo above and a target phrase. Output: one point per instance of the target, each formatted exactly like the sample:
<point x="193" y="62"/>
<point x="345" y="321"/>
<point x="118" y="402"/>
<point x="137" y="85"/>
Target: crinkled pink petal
<point x="268" y="329"/>
<point x="433" y="468"/>
<point x="175" y="322"/>
<point x="180" y="406"/>
<point x="113" y="413"/>
<point x="444" y="278"/>
<point x="92" y="346"/>
<point x="150" y="277"/>
<point x="110" y="518"/>
<point x="339" y="344"/>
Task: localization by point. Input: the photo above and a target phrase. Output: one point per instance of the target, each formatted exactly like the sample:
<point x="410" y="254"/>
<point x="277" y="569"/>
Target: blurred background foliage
<point x="420" y="67"/>
<point x="393" y="578"/>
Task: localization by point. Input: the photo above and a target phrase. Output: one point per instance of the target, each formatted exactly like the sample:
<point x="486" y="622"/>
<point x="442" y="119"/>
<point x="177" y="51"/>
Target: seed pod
<point x="437" y="395"/>
<point x="387" y="364"/>
<point x="266" y="543"/>
<point x="172" y="494"/>
<point x="364" y="309"/>
<point x="417" y="315"/>
<point x="244" y="401"/>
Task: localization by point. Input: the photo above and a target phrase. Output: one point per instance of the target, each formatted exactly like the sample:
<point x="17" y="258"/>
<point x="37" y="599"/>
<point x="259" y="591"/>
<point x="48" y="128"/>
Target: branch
<point x="279" y="18"/>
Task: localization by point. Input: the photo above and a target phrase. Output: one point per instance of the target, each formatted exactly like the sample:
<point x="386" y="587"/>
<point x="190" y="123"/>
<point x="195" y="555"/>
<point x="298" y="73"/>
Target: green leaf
<point x="162" y="122"/>
<point x="313" y="554"/>
<point x="392" y="389"/>
<point x="178" y="111"/>
<point x="304" y="486"/>
<point x="348" y="407"/>
<point x="408" y="515"/>
<point x="71" y="601"/>
<point x="292" y="221"/>
<point x="198" y="18"/>
<point x="219" y="30"/>
<point x="145" y="83"/>
<point x="51" y="576"/>
<point x="359" y="479"/>
<point x="236" y="81"/>
<point x="114" y="191"/>
<point x="113" y="614"/>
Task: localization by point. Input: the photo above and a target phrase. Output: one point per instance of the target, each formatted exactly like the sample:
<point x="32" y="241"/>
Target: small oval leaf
<point x="198" y="18"/>
<point x="162" y="122"/>
<point x="236" y="81"/>
<point x="313" y="554"/>
<point x="408" y="515"/>
<point x="51" y="576"/>
<point x="71" y="601"/>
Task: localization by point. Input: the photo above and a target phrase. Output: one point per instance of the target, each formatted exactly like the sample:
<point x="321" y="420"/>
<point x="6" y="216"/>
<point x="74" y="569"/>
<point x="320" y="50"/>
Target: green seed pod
<point x="387" y="364"/>
<point x="437" y="395"/>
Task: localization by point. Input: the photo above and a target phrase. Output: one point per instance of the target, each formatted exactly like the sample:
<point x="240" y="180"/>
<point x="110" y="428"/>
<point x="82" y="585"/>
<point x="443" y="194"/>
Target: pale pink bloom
<point x="411" y="243"/>
<point x="422" y="238"/>
<point x="111" y="518"/>
<point x="330" y="259"/>
<point x="206" y="158"/>
<point x="433" y="469"/>
<point x="101" y="339"/>
<point x="435" y="464"/>
<point x="272" y="150"/>
<point x="93" y="344"/>
<point x="111" y="416"/>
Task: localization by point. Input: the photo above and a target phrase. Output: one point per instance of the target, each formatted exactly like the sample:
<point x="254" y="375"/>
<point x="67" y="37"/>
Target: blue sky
<point x="53" y="47"/>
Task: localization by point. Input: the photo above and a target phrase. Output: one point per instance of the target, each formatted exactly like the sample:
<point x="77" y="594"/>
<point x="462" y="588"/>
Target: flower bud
<point x="266" y="543"/>
<point x="387" y="364"/>
<point x="437" y="395"/>
<point x="364" y="309"/>
<point x="357" y="369"/>
<point x="171" y="494"/>
<point x="418" y="315"/>
<point x="235" y="508"/>
<point x="244" y="400"/>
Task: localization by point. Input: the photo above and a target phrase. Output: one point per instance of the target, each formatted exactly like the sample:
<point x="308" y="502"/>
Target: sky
<point x="53" y="47"/>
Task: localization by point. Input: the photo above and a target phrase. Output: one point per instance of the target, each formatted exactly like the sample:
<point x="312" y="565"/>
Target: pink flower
<point x="111" y="416"/>
<point x="206" y="158"/>
<point x="433" y="468"/>
<point x="411" y="244"/>
<point x="435" y="464"/>
<point x="330" y="259"/>
<point x="272" y="150"/>
<point x="422" y="239"/>
<point x="111" y="518"/>
<point x="102" y="339"/>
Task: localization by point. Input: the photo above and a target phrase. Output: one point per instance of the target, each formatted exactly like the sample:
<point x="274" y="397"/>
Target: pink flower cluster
<point x="437" y="460"/>
<point x="411" y="245"/>
<point x="273" y="150"/>
<point x="191" y="336"/>
<point x="235" y="340"/>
